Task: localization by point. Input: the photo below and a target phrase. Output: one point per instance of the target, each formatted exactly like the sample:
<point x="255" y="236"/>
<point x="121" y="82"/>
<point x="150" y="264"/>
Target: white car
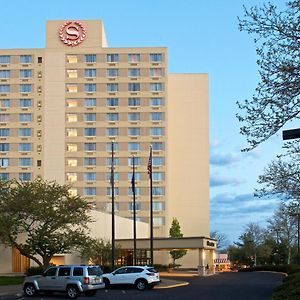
<point x="141" y="277"/>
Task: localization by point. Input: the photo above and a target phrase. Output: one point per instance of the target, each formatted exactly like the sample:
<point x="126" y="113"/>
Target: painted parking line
<point x="171" y="285"/>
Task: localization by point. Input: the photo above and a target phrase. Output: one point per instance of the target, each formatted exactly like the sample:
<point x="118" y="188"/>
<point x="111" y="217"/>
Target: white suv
<point x="141" y="277"/>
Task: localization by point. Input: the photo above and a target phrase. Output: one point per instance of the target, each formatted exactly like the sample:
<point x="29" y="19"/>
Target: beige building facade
<point x="61" y="107"/>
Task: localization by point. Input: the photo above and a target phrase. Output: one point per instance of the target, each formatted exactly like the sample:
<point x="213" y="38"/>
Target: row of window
<point x="23" y="88"/>
<point x="110" y="87"/>
<point x="4" y="74"/>
<point x="23" y="59"/>
<point x="92" y="191"/>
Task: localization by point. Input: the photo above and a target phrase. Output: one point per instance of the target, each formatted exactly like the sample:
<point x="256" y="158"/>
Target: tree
<point x="175" y="232"/>
<point x="276" y="101"/>
<point x="222" y="241"/>
<point x="41" y="219"/>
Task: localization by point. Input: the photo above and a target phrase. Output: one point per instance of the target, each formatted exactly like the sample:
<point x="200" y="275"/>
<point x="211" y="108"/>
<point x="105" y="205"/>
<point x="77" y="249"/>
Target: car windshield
<point x="151" y="270"/>
<point x="94" y="271"/>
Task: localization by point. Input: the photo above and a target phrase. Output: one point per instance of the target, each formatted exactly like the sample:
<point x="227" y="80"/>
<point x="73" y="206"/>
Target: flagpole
<point x="134" y="212"/>
<point x="151" y="206"/>
<point x="112" y="208"/>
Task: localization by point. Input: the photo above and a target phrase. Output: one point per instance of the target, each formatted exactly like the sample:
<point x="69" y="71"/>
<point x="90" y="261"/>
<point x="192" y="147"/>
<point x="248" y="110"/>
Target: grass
<point x="11" y="280"/>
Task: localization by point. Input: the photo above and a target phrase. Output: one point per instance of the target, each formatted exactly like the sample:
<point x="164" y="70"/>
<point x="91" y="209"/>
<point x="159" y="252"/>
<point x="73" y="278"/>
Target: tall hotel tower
<point x="63" y="105"/>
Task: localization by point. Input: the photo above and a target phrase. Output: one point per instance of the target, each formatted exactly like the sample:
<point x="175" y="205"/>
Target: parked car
<point x="141" y="277"/>
<point x="72" y="280"/>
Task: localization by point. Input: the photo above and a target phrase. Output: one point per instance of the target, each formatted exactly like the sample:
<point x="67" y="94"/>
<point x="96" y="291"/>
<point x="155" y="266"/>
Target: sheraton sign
<point x="72" y="33"/>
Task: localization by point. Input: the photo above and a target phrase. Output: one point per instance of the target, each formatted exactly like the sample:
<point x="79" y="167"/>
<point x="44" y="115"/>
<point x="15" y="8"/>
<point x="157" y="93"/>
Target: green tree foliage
<point x="41" y="219"/>
<point x="175" y="232"/>
<point x="276" y="101"/>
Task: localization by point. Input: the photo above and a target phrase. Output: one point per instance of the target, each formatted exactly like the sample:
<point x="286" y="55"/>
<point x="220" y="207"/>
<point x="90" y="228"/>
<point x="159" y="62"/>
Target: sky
<point x="202" y="36"/>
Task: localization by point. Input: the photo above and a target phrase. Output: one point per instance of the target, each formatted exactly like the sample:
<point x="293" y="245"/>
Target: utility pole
<point x="112" y="181"/>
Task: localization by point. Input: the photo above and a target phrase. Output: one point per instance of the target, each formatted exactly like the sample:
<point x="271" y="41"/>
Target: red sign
<point x="72" y="33"/>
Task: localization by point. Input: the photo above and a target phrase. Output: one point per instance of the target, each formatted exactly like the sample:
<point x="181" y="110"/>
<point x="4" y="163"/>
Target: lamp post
<point x="112" y="182"/>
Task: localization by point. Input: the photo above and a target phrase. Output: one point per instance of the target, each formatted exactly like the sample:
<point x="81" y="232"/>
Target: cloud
<point x="221" y="180"/>
<point x="224" y="159"/>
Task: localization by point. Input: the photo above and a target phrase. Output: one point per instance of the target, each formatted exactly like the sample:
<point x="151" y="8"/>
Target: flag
<point x="149" y="167"/>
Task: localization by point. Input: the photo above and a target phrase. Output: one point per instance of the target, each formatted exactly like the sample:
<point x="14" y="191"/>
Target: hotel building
<point x="62" y="106"/>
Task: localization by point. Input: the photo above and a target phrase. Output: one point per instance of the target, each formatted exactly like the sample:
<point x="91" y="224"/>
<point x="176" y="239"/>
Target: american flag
<point x="149" y="167"/>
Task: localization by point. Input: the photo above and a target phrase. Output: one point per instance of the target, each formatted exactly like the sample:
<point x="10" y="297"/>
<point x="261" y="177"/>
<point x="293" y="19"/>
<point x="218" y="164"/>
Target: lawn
<point x="11" y="280"/>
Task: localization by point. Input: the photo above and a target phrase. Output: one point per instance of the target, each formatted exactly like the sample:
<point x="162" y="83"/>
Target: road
<point x="225" y="286"/>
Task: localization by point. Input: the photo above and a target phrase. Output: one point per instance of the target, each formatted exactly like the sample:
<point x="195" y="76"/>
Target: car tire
<point x="141" y="284"/>
<point x="29" y="290"/>
<point x="107" y="283"/>
<point x="90" y="293"/>
<point x="72" y="291"/>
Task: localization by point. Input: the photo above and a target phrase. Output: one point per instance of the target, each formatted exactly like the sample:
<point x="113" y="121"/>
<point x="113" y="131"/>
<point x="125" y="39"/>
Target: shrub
<point x="34" y="271"/>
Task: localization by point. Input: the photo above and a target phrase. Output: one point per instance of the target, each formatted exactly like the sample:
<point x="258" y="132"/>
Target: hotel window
<point x="137" y="161"/>
<point x="156" y="116"/>
<point x="24" y="147"/>
<point x="158" y="221"/>
<point x="108" y="161"/>
<point x="137" y="191"/>
<point x="71" y="147"/>
<point x="24" y="117"/>
<point x="89" y="161"/>
<point x="157" y="146"/>
<point x="134" y="72"/>
<point x="137" y="205"/>
<point x="156" y="101"/>
<point x="25" y="176"/>
<point x="90" y="102"/>
<point x="40" y="60"/>
<point x="109" y="146"/>
<point x="4" y="59"/>
<point x="4" y="132"/>
<point x="72" y="103"/>
<point x="112" y="57"/>
<point x="4" y="147"/>
<point x="24" y="162"/>
<point x="90" y="58"/>
<point x="116" y="176"/>
<point x="4" y="88"/>
<point x="156" y="131"/>
<point x="25" y="59"/>
<point x="71" y="118"/>
<point x="108" y="207"/>
<point x="90" y="87"/>
<point x="157" y="176"/>
<point x="134" y="146"/>
<point x="4" y="118"/>
<point x="156" y="72"/>
<point x="134" y="57"/>
<point x="134" y="87"/>
<point x="158" y="191"/>
<point x="156" y="87"/>
<point x="25" y="73"/>
<point x="112" y="101"/>
<point x="4" y="176"/>
<point x="112" y="131"/>
<point x="4" y="73"/>
<point x="73" y="192"/>
<point x="137" y="176"/>
<point x="4" y="162"/>
<point x="112" y="87"/>
<point x="89" y="131"/>
<point x="72" y="88"/>
<point x="89" y="117"/>
<point x="72" y="73"/>
<point x="25" y="103"/>
<point x="71" y="177"/>
<point x="25" y="88"/>
<point x="109" y="190"/>
<point x="158" y="206"/>
<point x="111" y="117"/>
<point x="72" y="59"/>
<point x="134" y="131"/>
<point x="90" y="73"/>
<point x="71" y="132"/>
<point x="155" y="57"/>
<point x="91" y="176"/>
<point x="134" y="101"/>
<point x="4" y="103"/>
<point x="25" y="132"/>
<point x="72" y="162"/>
<point x="112" y="72"/>
<point x="89" y="191"/>
<point x="134" y="116"/>
<point x="158" y="161"/>
<point x="89" y="146"/>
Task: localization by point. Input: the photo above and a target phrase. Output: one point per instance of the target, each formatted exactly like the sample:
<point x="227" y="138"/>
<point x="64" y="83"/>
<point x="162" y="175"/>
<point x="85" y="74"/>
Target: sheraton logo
<point x="72" y="33"/>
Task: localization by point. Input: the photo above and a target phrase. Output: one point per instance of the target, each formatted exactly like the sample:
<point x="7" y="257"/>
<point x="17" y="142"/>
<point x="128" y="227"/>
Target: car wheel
<point x="72" y="292"/>
<point x="141" y="284"/>
<point x="29" y="290"/>
<point x="90" y="293"/>
<point x="107" y="283"/>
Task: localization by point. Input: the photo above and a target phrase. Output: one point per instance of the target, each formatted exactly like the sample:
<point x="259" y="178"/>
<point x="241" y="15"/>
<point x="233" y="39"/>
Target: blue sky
<point x="202" y="36"/>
